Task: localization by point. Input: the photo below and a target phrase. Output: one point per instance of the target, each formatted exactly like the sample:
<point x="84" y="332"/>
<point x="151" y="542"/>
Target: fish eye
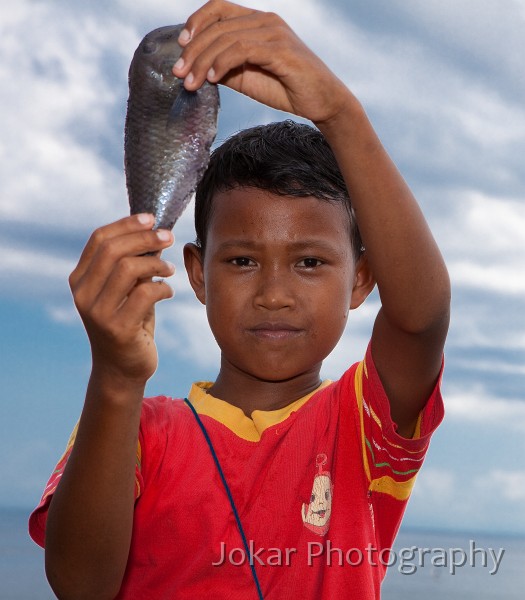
<point x="149" y="47"/>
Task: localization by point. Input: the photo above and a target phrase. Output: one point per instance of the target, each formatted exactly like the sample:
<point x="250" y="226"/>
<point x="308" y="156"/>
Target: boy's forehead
<point x="255" y="210"/>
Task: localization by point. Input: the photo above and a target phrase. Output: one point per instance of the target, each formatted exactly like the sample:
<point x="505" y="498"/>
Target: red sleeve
<point x="38" y="518"/>
<point x="392" y="462"/>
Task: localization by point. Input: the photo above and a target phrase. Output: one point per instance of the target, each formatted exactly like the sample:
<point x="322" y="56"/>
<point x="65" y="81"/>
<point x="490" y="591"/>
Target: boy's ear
<point x="364" y="282"/>
<point x="193" y="262"/>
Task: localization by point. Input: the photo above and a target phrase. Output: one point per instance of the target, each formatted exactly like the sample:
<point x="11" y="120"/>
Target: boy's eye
<point x="242" y="261"/>
<point x="309" y="263"/>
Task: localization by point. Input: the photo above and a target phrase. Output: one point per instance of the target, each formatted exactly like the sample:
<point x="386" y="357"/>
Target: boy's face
<point x="278" y="280"/>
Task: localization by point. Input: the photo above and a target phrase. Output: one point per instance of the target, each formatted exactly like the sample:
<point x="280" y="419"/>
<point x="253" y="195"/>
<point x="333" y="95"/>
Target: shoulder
<point x="360" y="391"/>
<point x="162" y="407"/>
<point x="375" y="398"/>
<point x="161" y="417"/>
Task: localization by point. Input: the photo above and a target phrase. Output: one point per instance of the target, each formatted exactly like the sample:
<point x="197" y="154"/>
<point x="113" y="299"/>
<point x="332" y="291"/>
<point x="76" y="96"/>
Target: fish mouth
<point x="165" y="68"/>
<point x="275" y="330"/>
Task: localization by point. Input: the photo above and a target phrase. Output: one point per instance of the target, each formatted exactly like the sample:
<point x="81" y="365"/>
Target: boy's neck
<point x="250" y="393"/>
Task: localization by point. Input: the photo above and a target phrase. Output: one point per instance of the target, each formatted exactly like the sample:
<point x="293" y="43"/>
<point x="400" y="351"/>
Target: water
<point x="21" y="560"/>
<point x="439" y="577"/>
<point x="22" y="571"/>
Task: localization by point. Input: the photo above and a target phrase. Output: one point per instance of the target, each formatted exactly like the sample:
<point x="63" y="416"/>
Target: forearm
<point x="90" y="518"/>
<point x="410" y="272"/>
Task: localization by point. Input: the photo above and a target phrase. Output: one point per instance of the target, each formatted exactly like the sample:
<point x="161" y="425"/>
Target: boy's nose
<point x="274" y="291"/>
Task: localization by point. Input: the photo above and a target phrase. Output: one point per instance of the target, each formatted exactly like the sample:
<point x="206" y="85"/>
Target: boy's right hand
<point x="257" y="53"/>
<point x="115" y="296"/>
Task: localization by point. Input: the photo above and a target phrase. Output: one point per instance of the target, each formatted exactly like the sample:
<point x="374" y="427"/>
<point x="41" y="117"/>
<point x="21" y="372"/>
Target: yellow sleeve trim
<point x="72" y="439"/>
<point x="387" y="485"/>
<point x="358" y="384"/>
<point x="138" y="465"/>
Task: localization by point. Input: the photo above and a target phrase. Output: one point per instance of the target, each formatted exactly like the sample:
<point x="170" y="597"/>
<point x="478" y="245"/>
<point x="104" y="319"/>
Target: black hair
<point x="285" y="158"/>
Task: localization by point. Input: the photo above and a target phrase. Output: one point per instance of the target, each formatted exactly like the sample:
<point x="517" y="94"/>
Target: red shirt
<point x="320" y="487"/>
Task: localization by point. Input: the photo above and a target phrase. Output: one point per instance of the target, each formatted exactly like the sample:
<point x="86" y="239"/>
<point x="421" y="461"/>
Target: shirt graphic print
<point x="316" y="514"/>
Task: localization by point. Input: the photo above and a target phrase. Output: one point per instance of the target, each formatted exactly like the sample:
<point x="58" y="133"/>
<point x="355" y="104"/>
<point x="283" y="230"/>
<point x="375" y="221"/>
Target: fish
<point x="168" y="130"/>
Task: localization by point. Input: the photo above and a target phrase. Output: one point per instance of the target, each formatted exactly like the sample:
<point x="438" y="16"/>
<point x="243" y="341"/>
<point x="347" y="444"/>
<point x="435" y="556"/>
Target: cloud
<point x="491" y="228"/>
<point x="64" y="315"/>
<point x="183" y="328"/>
<point x="485" y="247"/>
<point x="435" y="483"/>
<point x="510" y="485"/>
<point x="157" y="12"/>
<point x="439" y="80"/>
<point x="62" y="100"/>
<point x="476" y="406"/>
<point x="33" y="274"/>
<point x="468" y="500"/>
<point x="483" y="37"/>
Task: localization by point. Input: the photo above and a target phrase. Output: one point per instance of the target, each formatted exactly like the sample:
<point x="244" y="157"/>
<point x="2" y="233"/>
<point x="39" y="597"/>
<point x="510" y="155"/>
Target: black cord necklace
<point x="229" y="494"/>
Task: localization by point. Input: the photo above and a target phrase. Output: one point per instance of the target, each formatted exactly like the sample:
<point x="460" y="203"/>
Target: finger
<point x="241" y="38"/>
<point x="123" y="226"/>
<point x="128" y="274"/>
<point x="209" y="13"/>
<point x="107" y="257"/>
<point x="252" y="53"/>
<point x="141" y="300"/>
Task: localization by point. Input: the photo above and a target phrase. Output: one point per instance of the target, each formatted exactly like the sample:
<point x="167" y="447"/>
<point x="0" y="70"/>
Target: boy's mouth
<point x="275" y="330"/>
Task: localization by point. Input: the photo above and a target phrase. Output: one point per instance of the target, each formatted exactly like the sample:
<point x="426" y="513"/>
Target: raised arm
<point x="90" y="517"/>
<point x="257" y="54"/>
<point x="411" y="326"/>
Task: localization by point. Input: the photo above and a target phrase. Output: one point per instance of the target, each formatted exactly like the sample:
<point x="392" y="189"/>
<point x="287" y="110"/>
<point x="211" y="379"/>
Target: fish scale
<point x="169" y="131"/>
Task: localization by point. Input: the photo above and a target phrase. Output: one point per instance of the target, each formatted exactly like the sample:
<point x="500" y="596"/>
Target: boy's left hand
<point x="257" y="54"/>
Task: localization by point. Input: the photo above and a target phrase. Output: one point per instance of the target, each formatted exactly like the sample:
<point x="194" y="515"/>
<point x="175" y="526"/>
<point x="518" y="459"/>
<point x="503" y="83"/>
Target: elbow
<point x="437" y="316"/>
<point x="431" y="314"/>
<point x="438" y="325"/>
<point x="434" y="323"/>
<point x="424" y="313"/>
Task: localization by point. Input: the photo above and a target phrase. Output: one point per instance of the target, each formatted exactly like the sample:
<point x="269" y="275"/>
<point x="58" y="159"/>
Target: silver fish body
<point x="169" y="131"/>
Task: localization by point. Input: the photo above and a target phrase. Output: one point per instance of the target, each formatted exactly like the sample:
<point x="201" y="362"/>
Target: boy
<point x="316" y="475"/>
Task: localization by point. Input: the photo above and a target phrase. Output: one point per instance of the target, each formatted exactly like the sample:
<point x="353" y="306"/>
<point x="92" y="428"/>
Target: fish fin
<point x="185" y="103"/>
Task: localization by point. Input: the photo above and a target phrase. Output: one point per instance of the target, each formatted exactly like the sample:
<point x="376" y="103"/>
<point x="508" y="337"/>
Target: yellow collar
<point x="234" y="419"/>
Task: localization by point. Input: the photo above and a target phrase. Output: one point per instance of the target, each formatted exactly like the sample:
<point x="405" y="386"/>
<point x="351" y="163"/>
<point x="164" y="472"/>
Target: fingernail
<point x="179" y="64"/>
<point x="170" y="266"/>
<point x="144" y="218"/>
<point x="164" y="235"/>
<point x="211" y="74"/>
<point x="184" y="37"/>
<point x="189" y="78"/>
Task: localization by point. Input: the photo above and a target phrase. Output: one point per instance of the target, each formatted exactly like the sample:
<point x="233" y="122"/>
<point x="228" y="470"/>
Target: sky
<point x="443" y="84"/>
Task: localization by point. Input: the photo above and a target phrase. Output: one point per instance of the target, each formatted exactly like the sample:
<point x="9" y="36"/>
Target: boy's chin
<point x="269" y="372"/>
